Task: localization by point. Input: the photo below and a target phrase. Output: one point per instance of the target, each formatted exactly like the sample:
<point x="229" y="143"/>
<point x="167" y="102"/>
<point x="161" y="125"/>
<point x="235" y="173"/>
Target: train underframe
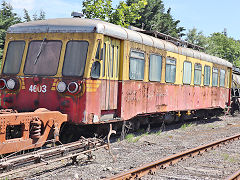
<point x="23" y="131"/>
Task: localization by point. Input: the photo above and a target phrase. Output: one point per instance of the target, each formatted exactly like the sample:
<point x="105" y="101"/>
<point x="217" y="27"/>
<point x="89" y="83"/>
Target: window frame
<point x="220" y="85"/>
<point x="155" y="54"/>
<point x="195" y="83"/>
<point x="207" y="66"/>
<point x="172" y="59"/>
<point x="190" y="73"/>
<point x="45" y="40"/>
<point x="217" y="76"/>
<point x="85" y="59"/>
<point x="7" y="54"/>
<point x="117" y="62"/>
<point x="141" y="59"/>
<point x="104" y="60"/>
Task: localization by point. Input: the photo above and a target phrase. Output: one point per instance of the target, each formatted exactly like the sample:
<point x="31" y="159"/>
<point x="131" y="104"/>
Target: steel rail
<point x="234" y="176"/>
<point x="45" y="156"/>
<point x="50" y="161"/>
<point x="152" y="167"/>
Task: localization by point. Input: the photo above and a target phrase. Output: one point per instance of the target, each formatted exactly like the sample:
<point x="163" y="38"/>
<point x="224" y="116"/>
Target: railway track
<point x="152" y="167"/>
<point x="234" y="176"/>
<point x="15" y="164"/>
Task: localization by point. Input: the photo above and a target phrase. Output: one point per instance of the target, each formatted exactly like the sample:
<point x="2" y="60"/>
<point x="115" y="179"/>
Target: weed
<point x="132" y="138"/>
<point x="232" y="160"/>
<point x="158" y="133"/>
<point x="129" y="137"/>
<point x="184" y="126"/>
<point x="136" y="139"/>
<point x="225" y="156"/>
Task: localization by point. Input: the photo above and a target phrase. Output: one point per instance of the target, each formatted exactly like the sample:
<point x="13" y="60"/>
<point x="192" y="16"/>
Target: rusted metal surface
<point x="7" y="111"/>
<point x="150" y="168"/>
<point x="34" y="129"/>
<point x="50" y="155"/>
<point x="142" y="97"/>
<point x="234" y="176"/>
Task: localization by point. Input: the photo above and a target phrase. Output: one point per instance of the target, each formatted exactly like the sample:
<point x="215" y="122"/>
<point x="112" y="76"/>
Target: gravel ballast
<point x="142" y="148"/>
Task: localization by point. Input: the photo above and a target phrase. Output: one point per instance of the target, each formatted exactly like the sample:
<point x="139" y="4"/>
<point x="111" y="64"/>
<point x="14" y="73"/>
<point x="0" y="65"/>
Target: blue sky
<point x="206" y="15"/>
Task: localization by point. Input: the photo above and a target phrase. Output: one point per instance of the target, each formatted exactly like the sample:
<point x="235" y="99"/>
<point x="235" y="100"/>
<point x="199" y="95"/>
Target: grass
<point x="132" y="138"/>
<point x="158" y="133"/>
<point x="225" y="156"/>
<point x="184" y="126"/>
<point x="228" y="158"/>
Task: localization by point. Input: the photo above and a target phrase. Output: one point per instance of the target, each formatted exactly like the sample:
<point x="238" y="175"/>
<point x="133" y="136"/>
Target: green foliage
<point x="26" y="16"/>
<point x="130" y="137"/>
<point x="123" y="15"/>
<point x="158" y="133"/>
<point x="153" y="17"/>
<point x="184" y="126"/>
<point x="101" y="9"/>
<point x="7" y="18"/>
<point x="217" y="44"/>
<point x="196" y="38"/>
<point x="224" y="47"/>
<point x="41" y="16"/>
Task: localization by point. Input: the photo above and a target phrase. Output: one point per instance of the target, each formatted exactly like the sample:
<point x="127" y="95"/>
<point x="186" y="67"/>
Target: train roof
<point x="79" y="25"/>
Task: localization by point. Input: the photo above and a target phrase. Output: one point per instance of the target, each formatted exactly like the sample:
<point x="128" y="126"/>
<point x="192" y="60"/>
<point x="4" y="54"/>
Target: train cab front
<point x="44" y="71"/>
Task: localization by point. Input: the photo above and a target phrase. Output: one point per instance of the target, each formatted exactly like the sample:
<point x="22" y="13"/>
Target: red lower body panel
<point x="141" y="97"/>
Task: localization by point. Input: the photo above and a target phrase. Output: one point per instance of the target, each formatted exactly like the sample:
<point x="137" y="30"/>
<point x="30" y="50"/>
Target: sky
<point x="208" y="16"/>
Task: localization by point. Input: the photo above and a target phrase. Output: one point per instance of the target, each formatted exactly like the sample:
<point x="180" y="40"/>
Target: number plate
<point x="38" y="88"/>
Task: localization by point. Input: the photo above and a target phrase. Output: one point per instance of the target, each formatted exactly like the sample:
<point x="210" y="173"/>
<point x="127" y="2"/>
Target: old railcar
<point x="97" y="72"/>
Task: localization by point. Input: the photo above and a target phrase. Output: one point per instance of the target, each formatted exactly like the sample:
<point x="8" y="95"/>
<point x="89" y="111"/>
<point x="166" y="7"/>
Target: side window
<point x="197" y="74"/>
<point x="170" y="75"/>
<point x="14" y="57"/>
<point x="215" y="77"/>
<point x="207" y="72"/>
<point x="98" y="51"/>
<point x="112" y="60"/>
<point x="187" y="72"/>
<point x="104" y="60"/>
<point x="222" y="77"/>
<point x="137" y="61"/>
<point x="117" y="62"/>
<point x="155" y="67"/>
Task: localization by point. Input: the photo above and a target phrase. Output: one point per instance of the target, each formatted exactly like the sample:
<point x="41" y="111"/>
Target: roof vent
<point x="77" y="14"/>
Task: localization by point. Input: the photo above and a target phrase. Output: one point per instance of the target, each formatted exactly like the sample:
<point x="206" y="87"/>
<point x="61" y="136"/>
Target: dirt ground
<point x="140" y="148"/>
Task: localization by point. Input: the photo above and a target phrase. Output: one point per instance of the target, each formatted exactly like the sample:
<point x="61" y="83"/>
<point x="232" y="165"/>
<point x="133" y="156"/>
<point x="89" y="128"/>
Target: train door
<point x="110" y="71"/>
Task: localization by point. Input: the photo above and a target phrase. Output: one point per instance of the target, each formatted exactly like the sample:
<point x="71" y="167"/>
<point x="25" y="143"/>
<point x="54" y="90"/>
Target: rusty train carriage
<point x="97" y="72"/>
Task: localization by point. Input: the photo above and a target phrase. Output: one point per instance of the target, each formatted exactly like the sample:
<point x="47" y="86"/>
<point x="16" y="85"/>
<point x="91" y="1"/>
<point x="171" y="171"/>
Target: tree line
<point x="144" y="14"/>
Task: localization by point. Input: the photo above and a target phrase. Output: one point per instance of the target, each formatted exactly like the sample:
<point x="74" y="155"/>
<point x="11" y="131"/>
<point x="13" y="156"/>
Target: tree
<point x="7" y="18"/>
<point x="101" y="9"/>
<point x="42" y="15"/>
<point x="26" y="16"/>
<point x="224" y="47"/>
<point x="153" y="17"/>
<point x="196" y="38"/>
<point x="123" y="15"/>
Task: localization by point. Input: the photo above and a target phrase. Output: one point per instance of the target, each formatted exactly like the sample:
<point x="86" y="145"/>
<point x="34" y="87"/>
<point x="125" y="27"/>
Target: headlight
<point x="72" y="87"/>
<point x="2" y="83"/>
<point x="11" y="84"/>
<point x="61" y="87"/>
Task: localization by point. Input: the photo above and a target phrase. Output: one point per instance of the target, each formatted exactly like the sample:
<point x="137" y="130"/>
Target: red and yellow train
<point x="87" y="72"/>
